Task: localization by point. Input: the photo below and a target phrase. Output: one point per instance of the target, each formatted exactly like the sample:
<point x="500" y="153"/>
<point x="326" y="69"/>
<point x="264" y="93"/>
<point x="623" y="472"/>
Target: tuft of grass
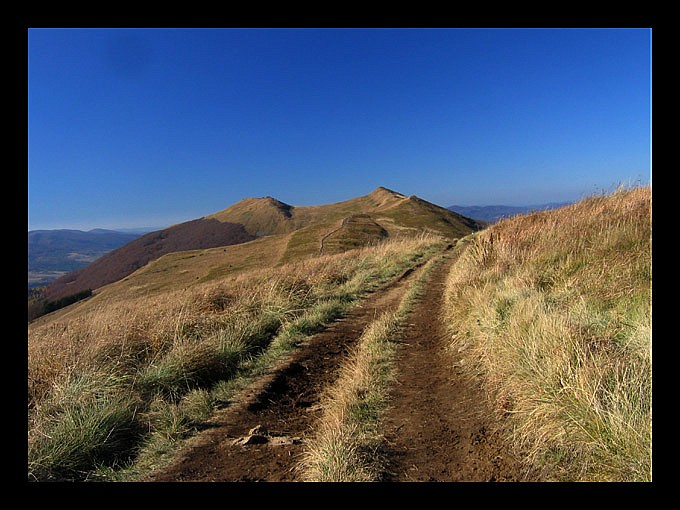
<point x="88" y="420"/>
<point x="554" y="311"/>
<point x="344" y="448"/>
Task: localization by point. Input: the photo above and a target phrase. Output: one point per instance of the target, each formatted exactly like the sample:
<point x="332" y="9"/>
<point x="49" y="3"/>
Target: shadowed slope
<point x="115" y="265"/>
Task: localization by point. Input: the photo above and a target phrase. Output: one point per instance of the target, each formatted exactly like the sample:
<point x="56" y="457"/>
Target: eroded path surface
<point x="260" y="437"/>
<point x="439" y="427"/>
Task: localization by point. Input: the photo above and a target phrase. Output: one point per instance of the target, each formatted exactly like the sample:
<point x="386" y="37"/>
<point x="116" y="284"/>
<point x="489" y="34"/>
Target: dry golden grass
<point x="347" y="441"/>
<point x="343" y="449"/>
<point x="554" y="309"/>
<point x="137" y="350"/>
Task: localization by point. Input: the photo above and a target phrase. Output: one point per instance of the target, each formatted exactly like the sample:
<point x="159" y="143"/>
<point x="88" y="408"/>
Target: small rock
<point x="256" y="435"/>
<point x="252" y="439"/>
<point x="258" y="430"/>
<point x="285" y="440"/>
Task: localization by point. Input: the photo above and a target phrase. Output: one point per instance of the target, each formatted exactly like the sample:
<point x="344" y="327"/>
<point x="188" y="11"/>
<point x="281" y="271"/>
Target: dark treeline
<point x="38" y="306"/>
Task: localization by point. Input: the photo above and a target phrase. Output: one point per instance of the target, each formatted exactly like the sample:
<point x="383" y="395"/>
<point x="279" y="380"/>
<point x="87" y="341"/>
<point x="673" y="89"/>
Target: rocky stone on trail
<point x="256" y="435"/>
<point x="260" y="435"/>
<point x="258" y="430"/>
<point x="252" y="439"/>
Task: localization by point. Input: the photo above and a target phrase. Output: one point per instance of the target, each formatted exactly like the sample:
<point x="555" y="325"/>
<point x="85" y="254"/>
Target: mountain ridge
<point x="267" y="215"/>
<point x="294" y="232"/>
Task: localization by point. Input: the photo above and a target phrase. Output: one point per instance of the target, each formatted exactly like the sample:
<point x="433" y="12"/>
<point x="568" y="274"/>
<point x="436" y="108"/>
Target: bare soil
<point x="284" y="404"/>
<point x="439" y="426"/>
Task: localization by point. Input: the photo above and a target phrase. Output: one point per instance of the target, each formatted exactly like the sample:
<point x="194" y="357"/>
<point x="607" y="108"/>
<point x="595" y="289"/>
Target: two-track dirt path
<point x="438" y="427"/>
<point x="284" y="404"/>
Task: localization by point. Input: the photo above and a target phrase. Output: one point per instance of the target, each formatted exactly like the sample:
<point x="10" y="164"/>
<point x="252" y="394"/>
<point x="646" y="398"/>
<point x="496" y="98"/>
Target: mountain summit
<point x="267" y="216"/>
<point x="283" y="233"/>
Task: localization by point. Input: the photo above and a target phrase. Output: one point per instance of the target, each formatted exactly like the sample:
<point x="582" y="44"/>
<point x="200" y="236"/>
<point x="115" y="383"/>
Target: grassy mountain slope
<point x="119" y="384"/>
<point x="552" y="308"/>
<point x="174" y="258"/>
<point x="107" y="374"/>
<point x="554" y="311"/>
<point x="333" y="228"/>
<point x="265" y="216"/>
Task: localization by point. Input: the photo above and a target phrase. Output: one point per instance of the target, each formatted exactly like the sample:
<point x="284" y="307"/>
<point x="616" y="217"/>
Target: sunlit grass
<point x="554" y="310"/>
<point x="155" y="366"/>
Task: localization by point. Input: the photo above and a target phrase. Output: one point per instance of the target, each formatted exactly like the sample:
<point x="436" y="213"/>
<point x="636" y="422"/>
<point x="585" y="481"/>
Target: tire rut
<point x="260" y="437"/>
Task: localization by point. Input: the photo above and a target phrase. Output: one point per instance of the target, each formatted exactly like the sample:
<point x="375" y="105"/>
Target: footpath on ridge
<point x="260" y="437"/>
<point x="438" y="426"/>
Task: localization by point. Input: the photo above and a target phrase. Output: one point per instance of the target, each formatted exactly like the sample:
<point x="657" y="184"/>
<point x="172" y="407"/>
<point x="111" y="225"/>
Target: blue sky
<point x="151" y="127"/>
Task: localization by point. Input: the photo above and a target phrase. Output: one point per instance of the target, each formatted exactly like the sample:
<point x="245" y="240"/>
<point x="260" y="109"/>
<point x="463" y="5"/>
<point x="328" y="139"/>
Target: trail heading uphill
<point x="260" y="436"/>
<point x="437" y="429"/>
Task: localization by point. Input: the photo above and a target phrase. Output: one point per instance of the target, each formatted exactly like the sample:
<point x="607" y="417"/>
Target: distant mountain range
<point x="493" y="213"/>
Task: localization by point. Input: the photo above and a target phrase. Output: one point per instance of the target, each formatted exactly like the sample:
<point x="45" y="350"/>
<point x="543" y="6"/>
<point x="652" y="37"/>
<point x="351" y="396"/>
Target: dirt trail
<point x="284" y="404"/>
<point x="439" y="427"/>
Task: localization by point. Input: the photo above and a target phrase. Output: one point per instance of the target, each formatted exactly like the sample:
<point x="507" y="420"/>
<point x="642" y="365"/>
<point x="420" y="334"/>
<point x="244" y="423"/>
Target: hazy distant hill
<point x="52" y="253"/>
<point x="493" y="213"/>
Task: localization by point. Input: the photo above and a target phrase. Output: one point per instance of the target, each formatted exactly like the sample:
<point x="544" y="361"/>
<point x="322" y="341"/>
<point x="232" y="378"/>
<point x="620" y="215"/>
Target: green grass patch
<point x="90" y="420"/>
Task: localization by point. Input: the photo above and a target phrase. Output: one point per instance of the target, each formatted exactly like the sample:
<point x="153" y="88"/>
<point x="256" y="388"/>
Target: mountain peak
<point x="382" y="190"/>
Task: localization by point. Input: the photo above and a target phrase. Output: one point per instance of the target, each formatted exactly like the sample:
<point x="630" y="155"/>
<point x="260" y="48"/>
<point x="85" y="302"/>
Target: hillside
<point x="333" y="228"/>
<point x="399" y="213"/>
<point x="553" y="311"/>
<point x="278" y="233"/>
<point x="53" y="253"/>
<point x="119" y="263"/>
<point x="518" y="353"/>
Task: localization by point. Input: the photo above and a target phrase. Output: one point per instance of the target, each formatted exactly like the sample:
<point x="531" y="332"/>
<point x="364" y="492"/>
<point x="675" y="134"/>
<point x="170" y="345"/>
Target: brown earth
<point x="438" y="428"/>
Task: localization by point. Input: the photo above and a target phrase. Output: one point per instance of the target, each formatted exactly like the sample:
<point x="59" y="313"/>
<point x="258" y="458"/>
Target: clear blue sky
<point x="130" y="128"/>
